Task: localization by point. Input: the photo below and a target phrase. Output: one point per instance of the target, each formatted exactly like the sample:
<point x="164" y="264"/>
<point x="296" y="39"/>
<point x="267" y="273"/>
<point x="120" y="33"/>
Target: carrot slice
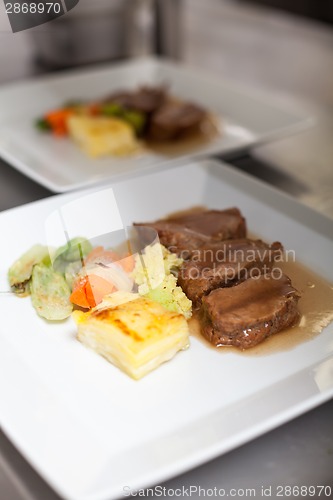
<point x="78" y="295"/>
<point x="90" y="291"/>
<point x="97" y="288"/>
<point x="57" y="119"/>
<point x="127" y="263"/>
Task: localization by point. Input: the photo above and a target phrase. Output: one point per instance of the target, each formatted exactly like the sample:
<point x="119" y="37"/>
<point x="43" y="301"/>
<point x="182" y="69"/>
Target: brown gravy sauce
<point x="210" y="128"/>
<point x="315" y="307"/>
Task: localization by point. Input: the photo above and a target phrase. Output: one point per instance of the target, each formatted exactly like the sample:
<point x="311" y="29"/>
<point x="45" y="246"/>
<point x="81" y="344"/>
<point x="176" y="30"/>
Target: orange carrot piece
<point x="59" y="131"/>
<point x="90" y="291"/>
<point x="127" y="263"/>
<point x="57" y="119"/>
<point x="97" y="288"/>
<point x="78" y="295"/>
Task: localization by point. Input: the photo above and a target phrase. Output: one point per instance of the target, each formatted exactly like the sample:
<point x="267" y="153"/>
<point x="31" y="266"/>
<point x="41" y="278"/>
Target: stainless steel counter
<point x="277" y="53"/>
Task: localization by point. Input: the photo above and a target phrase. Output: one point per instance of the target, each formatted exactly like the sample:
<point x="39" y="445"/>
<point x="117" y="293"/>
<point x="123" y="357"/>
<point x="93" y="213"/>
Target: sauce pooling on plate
<point x="209" y="130"/>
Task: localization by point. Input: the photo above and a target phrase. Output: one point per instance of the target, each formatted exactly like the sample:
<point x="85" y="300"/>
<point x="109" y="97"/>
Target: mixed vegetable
<point x="56" y="121"/>
<point x="80" y="276"/>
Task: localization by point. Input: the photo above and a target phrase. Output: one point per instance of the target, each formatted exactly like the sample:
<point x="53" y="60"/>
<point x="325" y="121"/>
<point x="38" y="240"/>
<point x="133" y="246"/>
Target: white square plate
<point x="89" y="429"/>
<point x="246" y="119"/>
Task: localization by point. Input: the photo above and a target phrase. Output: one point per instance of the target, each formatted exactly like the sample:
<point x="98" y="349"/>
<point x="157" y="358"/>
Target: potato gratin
<point x="100" y="136"/>
<point x="137" y="336"/>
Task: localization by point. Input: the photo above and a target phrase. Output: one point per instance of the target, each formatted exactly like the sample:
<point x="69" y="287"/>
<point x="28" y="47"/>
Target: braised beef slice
<point x="149" y="99"/>
<point x="247" y="313"/>
<point x="186" y="233"/>
<point x="225" y="263"/>
<point x="175" y="119"/>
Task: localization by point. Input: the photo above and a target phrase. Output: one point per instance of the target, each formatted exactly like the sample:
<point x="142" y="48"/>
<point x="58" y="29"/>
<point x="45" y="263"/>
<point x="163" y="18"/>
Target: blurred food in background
<point x="120" y="123"/>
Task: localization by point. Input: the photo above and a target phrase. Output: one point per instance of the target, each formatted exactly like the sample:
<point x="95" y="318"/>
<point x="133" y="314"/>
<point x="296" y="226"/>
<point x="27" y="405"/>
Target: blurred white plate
<point x="90" y="430"/>
<point x="247" y="118"/>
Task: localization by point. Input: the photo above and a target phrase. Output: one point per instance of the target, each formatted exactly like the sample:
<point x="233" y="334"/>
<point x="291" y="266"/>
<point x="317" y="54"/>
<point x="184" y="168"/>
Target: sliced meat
<point x="175" y="119"/>
<point x="145" y="99"/>
<point x="246" y="314"/>
<point x="186" y="233"/>
<point x="225" y="263"/>
<point x="149" y="99"/>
